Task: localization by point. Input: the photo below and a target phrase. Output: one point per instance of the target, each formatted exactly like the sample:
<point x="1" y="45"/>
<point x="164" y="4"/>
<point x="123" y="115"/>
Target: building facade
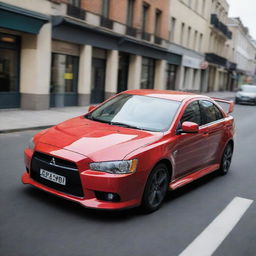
<point x="189" y="38"/>
<point x="220" y="71"/>
<point x="79" y="52"/>
<point x="242" y="51"/>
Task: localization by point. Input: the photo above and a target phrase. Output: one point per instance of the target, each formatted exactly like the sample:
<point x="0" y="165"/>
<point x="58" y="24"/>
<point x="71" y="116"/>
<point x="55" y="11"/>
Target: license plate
<point x="53" y="177"/>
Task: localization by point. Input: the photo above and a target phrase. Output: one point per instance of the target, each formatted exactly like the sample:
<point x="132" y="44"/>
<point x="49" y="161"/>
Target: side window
<point x="210" y="112"/>
<point x="192" y="113"/>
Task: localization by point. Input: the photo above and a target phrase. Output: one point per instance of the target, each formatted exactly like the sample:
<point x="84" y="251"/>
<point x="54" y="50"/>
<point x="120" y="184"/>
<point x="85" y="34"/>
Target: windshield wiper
<point x="126" y="125"/>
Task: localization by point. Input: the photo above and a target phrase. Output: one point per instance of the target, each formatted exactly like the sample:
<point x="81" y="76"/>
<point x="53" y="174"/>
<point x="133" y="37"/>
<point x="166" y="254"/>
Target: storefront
<point x="123" y="71"/>
<point x="16" y="24"/>
<point x="9" y="71"/>
<point x="147" y="73"/>
<point x="64" y="74"/>
<point x="172" y="68"/>
<point x="98" y="75"/>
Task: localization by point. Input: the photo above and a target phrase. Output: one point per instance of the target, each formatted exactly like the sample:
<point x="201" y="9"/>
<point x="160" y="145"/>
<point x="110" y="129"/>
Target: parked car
<point x="129" y="150"/>
<point x="246" y="94"/>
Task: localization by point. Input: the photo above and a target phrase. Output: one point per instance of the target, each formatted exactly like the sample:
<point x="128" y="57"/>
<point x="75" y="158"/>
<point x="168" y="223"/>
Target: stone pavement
<point x="12" y="120"/>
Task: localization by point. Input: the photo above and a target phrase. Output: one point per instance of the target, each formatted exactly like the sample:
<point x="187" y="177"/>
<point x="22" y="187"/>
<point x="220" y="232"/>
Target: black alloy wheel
<point x="156" y="188"/>
<point x="226" y="160"/>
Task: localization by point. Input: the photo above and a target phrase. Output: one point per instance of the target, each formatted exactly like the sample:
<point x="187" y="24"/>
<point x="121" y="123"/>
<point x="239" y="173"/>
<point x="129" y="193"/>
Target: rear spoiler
<point x="227" y="105"/>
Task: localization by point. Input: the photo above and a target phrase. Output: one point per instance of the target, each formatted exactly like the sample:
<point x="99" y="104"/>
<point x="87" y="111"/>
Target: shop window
<point x="147" y="73"/>
<point x="171" y="72"/>
<point x="64" y="73"/>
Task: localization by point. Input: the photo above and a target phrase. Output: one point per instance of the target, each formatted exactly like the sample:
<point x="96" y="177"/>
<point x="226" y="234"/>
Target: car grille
<point x="58" y="166"/>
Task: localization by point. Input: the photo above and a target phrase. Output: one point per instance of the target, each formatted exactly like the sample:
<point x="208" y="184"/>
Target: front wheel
<point x="226" y="160"/>
<point x="156" y="188"/>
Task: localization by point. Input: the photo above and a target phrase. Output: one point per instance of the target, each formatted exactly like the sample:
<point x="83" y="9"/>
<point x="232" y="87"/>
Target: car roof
<point x="164" y="94"/>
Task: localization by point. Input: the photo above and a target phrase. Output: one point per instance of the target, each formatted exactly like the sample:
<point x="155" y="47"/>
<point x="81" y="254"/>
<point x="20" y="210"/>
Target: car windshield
<point x="249" y="88"/>
<point x="138" y="112"/>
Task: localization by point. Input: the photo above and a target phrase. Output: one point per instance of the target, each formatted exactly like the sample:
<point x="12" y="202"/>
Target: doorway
<point x="98" y="80"/>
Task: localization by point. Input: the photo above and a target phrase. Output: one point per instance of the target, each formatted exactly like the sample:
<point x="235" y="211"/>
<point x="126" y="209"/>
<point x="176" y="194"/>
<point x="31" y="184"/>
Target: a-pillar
<point x="84" y="79"/>
<point x="160" y="75"/>
<point x="111" y="73"/>
<point x="35" y="69"/>
<point x="134" y="76"/>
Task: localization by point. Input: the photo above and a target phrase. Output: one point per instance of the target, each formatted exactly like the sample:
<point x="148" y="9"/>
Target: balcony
<point x="220" y="26"/>
<point x="158" y="40"/>
<point x="131" y="31"/>
<point x="145" y="36"/>
<point x="216" y="59"/>
<point x="106" y="23"/>
<point x="75" y="12"/>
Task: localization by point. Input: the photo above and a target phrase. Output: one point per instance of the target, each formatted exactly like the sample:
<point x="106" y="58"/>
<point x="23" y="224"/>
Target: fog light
<point x="110" y="196"/>
<point x="107" y="196"/>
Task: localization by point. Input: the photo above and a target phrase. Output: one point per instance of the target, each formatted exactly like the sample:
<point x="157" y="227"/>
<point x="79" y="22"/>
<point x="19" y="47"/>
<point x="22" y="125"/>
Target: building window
<point x="64" y="73"/>
<point x="173" y="24"/>
<point x="200" y="42"/>
<point x="195" y="41"/>
<point x="158" y="22"/>
<point x="147" y="73"/>
<point x="196" y="5"/>
<point x="144" y="16"/>
<point x="130" y="12"/>
<point x="188" y="37"/>
<point x="182" y="33"/>
<point x="203" y="7"/>
<point x="105" y="8"/>
<point x="76" y="3"/>
<point x="171" y="71"/>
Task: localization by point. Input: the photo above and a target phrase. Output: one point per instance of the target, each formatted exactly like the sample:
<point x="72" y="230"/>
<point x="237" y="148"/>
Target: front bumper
<point x="246" y="100"/>
<point x="89" y="200"/>
<point x="129" y="187"/>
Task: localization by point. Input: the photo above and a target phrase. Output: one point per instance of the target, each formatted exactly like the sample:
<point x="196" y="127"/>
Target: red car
<point x="129" y="150"/>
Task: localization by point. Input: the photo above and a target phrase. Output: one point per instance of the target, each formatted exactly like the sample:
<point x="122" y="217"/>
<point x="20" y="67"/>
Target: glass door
<point x="9" y="72"/>
<point x="64" y="77"/>
<point x="98" y="80"/>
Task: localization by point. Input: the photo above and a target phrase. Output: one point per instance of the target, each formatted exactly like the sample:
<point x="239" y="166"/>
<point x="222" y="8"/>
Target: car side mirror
<point x="189" y="127"/>
<point x="91" y="108"/>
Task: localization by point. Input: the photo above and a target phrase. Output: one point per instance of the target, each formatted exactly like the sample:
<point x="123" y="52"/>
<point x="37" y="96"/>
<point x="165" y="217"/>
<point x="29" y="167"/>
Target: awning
<point x="19" y="19"/>
<point x="73" y="31"/>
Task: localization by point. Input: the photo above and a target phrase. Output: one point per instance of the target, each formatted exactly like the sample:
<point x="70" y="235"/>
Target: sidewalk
<point x="12" y="120"/>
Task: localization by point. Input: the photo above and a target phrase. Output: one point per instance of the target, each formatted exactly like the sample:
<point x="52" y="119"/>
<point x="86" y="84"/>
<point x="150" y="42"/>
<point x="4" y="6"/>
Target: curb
<point x="25" y="129"/>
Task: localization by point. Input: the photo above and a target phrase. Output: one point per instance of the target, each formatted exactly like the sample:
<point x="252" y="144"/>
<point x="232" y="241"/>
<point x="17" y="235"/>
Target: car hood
<point x="98" y="141"/>
<point x="247" y="94"/>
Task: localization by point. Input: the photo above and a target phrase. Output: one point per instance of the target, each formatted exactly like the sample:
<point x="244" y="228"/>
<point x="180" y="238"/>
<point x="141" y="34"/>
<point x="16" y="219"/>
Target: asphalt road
<point x="33" y="222"/>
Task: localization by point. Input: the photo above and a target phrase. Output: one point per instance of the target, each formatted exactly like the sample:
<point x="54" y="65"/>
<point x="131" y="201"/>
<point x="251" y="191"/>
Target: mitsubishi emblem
<point x="53" y="161"/>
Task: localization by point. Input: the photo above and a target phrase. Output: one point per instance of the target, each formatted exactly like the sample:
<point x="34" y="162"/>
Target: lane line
<point x="213" y="235"/>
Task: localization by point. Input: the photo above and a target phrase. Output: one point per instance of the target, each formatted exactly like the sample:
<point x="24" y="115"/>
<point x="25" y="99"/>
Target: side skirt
<point x="192" y="177"/>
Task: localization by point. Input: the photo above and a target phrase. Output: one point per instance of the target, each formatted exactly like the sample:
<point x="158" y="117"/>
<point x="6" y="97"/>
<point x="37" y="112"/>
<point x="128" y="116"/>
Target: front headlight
<point x="115" y="167"/>
<point x="31" y="144"/>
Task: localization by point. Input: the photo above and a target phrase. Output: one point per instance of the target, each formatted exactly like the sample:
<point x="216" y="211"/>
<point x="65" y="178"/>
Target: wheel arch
<point x="168" y="163"/>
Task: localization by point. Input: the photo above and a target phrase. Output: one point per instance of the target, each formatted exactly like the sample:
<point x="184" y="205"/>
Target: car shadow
<point x="172" y="195"/>
<point x="50" y="200"/>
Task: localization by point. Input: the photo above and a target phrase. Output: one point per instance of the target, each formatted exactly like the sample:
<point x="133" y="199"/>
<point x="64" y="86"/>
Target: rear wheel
<point x="226" y="159"/>
<point x="156" y="188"/>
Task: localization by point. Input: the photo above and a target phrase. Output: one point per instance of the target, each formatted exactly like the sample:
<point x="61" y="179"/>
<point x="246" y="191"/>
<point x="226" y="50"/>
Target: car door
<point x="212" y="120"/>
<point x="190" y="149"/>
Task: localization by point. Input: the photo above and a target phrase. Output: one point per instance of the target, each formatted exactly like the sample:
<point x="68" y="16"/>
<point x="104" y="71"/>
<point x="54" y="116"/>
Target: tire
<point x="236" y="101"/>
<point x="156" y="188"/>
<point x="226" y="159"/>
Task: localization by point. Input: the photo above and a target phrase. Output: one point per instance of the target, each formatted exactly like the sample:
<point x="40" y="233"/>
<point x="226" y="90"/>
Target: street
<point x="33" y="222"/>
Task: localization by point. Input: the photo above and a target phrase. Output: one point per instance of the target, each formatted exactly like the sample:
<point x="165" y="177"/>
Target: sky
<point x="246" y="10"/>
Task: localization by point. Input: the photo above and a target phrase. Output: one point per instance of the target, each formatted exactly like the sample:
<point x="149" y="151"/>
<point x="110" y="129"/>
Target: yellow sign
<point x="68" y="76"/>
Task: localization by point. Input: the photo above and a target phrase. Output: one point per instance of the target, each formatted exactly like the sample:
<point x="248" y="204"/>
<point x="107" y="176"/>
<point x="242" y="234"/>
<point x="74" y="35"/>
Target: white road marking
<point x="213" y="235"/>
